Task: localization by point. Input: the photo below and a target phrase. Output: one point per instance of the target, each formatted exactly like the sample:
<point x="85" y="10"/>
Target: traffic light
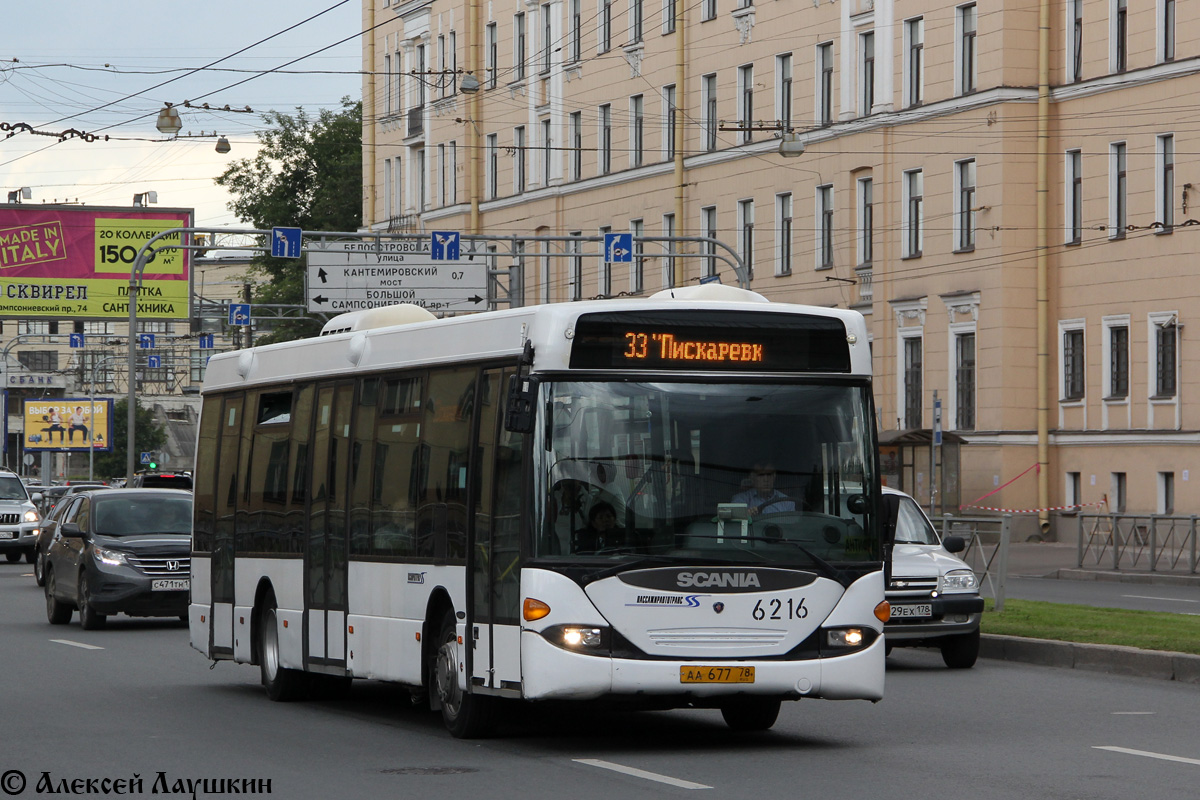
<point x="152" y="465"/>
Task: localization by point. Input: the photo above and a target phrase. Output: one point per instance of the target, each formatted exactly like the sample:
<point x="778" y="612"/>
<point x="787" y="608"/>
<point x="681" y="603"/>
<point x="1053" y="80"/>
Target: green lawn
<point x="1148" y="630"/>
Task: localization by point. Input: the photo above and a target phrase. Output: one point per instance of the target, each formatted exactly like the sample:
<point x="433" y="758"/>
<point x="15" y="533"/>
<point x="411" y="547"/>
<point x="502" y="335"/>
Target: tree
<point x="307" y="174"/>
<point x="150" y="436"/>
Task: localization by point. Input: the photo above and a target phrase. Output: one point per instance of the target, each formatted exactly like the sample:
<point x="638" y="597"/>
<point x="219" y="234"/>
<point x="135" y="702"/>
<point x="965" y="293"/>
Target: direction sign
<point x="206" y="341"/>
<point x="153" y="362"/>
<point x="239" y="313"/>
<point x="618" y="247"/>
<point x="76" y="340"/>
<point x="445" y="245"/>
<point x="146" y="341"/>
<point x="285" y="242"/>
<point x="348" y="276"/>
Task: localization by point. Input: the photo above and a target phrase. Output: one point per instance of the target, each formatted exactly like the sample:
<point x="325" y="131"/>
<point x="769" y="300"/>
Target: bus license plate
<point x="716" y="674"/>
<point x="904" y="612"/>
<point x="170" y="585"/>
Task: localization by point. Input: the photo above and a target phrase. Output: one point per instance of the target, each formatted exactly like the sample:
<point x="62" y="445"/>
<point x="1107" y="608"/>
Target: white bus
<point x="670" y="502"/>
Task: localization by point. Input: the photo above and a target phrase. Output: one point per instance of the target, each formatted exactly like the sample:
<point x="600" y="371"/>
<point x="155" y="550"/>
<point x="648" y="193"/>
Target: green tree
<point x="307" y="174"/>
<point x="150" y="436"/>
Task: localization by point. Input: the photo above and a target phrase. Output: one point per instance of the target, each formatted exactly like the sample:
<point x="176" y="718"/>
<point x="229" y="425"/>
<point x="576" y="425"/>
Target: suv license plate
<point x="716" y="674"/>
<point x="903" y="612"/>
<point x="170" y="585"/>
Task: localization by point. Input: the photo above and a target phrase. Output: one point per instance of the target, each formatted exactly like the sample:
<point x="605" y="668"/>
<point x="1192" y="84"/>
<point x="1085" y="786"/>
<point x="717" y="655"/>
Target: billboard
<point x="75" y="262"/>
<point x="68" y="424"/>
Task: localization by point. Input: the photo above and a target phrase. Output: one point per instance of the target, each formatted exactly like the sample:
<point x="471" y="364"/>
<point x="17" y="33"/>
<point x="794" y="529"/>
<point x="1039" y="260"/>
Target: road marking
<point x="76" y="644"/>
<point x="1147" y="597"/>
<point x="1134" y="713"/>
<point x="1144" y="753"/>
<point x="641" y="773"/>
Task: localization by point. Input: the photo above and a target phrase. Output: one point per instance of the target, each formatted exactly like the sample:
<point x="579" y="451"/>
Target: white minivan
<point x="933" y="593"/>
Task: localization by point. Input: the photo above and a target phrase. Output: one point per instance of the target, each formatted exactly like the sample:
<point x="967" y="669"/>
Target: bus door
<point x="225" y="528"/>
<point x="495" y="567"/>
<point x="326" y="556"/>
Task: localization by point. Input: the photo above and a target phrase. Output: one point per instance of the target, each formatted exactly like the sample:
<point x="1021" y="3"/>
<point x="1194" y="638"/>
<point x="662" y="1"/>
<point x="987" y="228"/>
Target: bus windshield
<point x="767" y="474"/>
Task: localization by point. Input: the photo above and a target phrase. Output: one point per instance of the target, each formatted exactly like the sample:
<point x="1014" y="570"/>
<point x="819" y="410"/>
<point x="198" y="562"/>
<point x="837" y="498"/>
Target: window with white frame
<point x="493" y="49"/>
<point x="387" y="184"/>
<point x="1074" y="41"/>
<point x="1118" y="50"/>
<point x="605" y="271"/>
<point x="545" y="263"/>
<point x="866" y="72"/>
<point x="387" y="83"/>
<point x="964" y="202"/>
<point x="1073" y="194"/>
<point x="422" y="69"/>
<point x="964" y="381"/>
<point x="866" y="222"/>
<point x="708" y="97"/>
<point x="519" y="163"/>
<point x="575" y="38"/>
<point x="912" y="213"/>
<point x="1116" y="356"/>
<point x="604" y="33"/>
<point x="547" y="152"/>
<point x="421" y="178"/>
<point x="914" y="61"/>
<point x="912" y="355"/>
<point x="398" y="83"/>
<point x="453" y="155"/>
<point x="1073" y="359"/>
<point x="493" y="166"/>
<point x="1164" y="343"/>
<point x="441" y="60"/>
<point x="38" y="360"/>
<point x="637" y="270"/>
<point x="1166" y="493"/>
<point x="1118" y="210"/>
<point x="398" y="187"/>
<point x="35" y="326"/>
<point x="1074" y="489"/>
<point x="1164" y="184"/>
<point x="708" y="10"/>
<point x="636" y="21"/>
<point x="441" y="168"/>
<point x="97" y="328"/>
<point x="546" y="49"/>
<point x="783" y="241"/>
<point x="1117" y="492"/>
<point x="783" y="90"/>
<point x="708" y="229"/>
<point x="824" y="81"/>
<point x="519" y="47"/>
<point x="824" y="219"/>
<point x="746" y="103"/>
<point x="670" y="11"/>
<point x="637" y="130"/>
<point x="1166" y="30"/>
<point x="668" y="262"/>
<point x="669" y="111"/>
<point x="452" y="65"/>
<point x="576" y="126"/>
<point x="745" y="212"/>
<point x="968" y="57"/>
<point x="605" y="135"/>
<point x="575" y="277"/>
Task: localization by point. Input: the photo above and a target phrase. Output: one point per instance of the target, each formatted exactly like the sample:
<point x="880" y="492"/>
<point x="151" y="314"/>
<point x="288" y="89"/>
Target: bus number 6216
<point x="778" y="609"/>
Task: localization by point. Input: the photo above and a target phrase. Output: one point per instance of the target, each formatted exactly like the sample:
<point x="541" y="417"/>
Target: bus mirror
<point x="522" y="397"/>
<point x="891" y="514"/>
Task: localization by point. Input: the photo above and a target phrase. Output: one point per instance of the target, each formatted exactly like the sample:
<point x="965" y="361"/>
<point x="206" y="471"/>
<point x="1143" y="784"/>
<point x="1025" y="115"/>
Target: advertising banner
<point x="75" y="262"/>
<point x="68" y="424"/>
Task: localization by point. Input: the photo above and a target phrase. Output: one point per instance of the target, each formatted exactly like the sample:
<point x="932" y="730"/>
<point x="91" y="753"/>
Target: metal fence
<point x="986" y="553"/>
<point x="1151" y="542"/>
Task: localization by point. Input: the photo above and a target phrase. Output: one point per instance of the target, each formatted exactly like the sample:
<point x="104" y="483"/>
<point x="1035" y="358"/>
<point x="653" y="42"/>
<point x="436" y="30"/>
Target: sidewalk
<point x="1059" y="560"/>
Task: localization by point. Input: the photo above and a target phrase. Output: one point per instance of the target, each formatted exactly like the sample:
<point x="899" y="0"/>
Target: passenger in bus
<point x="762" y="497"/>
<point x="601" y="533"/>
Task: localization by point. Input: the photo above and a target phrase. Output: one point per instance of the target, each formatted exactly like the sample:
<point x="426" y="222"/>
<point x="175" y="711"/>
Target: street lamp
<point x="168" y="121"/>
<point x="222" y="145"/>
<point x="791" y="145"/>
<point x="142" y="198"/>
<point x="16" y="195"/>
<point x="469" y="84"/>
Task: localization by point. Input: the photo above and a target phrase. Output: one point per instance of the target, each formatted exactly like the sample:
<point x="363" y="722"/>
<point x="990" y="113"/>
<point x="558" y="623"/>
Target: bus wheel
<point x="281" y="684"/>
<point x="750" y="713"/>
<point x="466" y="715"/>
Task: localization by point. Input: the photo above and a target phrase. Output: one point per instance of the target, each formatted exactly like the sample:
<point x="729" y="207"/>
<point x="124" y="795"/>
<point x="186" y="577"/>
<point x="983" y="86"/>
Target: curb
<point x="1115" y="660"/>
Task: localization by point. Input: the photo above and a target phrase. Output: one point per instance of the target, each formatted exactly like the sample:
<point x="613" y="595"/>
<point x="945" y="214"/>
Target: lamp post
<point x="142" y="198"/>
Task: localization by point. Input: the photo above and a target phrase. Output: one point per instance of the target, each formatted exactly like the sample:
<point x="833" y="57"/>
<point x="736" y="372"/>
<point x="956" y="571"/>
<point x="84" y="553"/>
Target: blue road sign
<point x="146" y="341"/>
<point x="206" y="341"/>
<point x="285" y="242"/>
<point x="153" y="362"/>
<point x="239" y="313"/>
<point x="618" y="248"/>
<point x="710" y="279"/>
<point x="146" y="458"/>
<point x="445" y="245"/>
<point x="76" y="340"/>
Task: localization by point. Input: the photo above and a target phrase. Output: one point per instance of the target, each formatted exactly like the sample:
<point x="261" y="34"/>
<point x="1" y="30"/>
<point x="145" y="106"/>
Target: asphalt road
<point x="1104" y="594"/>
<point x="135" y="699"/>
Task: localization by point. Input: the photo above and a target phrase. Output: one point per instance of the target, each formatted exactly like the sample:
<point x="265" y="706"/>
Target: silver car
<point x="19" y="518"/>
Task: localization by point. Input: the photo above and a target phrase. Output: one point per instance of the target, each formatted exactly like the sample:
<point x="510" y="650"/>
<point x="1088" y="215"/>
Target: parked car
<point x="19" y="518"/>
<point x="934" y="594"/>
<point x="161" y="480"/>
<point x="121" y="552"/>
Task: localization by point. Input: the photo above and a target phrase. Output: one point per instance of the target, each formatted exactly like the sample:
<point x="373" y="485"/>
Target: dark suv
<point x="161" y="480"/>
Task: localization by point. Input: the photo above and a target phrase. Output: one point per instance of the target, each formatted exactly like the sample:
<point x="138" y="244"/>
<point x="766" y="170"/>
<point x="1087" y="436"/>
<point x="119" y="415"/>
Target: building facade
<point x="1013" y="213"/>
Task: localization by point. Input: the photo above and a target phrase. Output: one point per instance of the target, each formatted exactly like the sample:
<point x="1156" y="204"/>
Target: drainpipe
<point x="1043" y="266"/>
<point x="677" y="264"/>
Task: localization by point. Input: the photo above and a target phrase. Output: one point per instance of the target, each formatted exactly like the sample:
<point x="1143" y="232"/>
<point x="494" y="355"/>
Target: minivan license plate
<point x="921" y="610"/>
<point x="716" y="674"/>
<point x="170" y="585"/>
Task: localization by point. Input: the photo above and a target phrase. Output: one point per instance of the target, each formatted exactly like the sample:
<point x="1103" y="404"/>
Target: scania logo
<point x="173" y="566"/>
<point x="738" y="580"/>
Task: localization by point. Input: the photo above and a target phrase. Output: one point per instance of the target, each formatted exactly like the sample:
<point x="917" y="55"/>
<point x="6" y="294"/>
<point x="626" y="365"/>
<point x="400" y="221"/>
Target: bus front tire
<point x="751" y="713"/>
<point x="282" y="684"/>
<point x="465" y="715"/>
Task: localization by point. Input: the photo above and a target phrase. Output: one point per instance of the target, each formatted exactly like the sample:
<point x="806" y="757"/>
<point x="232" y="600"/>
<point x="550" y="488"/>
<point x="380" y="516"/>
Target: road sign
<point x="146" y="341"/>
<point x="618" y="247"/>
<point x="28" y="459"/>
<point x="76" y="340"/>
<point x="206" y="341"/>
<point x="445" y="245"/>
<point x="154" y="362"/>
<point x="348" y="276"/>
<point x="285" y="242"/>
<point x="239" y="313"/>
<point x="146" y="458"/>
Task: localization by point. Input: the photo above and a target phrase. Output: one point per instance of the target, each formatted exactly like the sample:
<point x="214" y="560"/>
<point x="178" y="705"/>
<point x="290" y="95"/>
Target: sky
<point x="108" y="68"/>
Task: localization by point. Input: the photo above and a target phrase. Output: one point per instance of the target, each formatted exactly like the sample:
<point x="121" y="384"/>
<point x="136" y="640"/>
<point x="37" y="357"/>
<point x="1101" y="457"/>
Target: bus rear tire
<point x="465" y="715"/>
<point x="751" y="713"/>
<point x="282" y="684"/>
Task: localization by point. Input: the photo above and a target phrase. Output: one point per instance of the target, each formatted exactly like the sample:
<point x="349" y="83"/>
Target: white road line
<point x="76" y="644"/>
<point x="1134" y="713"/>
<point x="1147" y="597"/>
<point x="641" y="773"/>
<point x="1161" y="756"/>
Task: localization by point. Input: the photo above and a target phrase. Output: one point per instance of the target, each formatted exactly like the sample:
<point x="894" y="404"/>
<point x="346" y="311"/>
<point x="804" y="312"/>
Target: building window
<point x="783" y="224"/>
<point x="492" y="53"/>
<point x="422" y="180"/>
<point x="519" y="54"/>
<point x="1074" y="489"/>
<point x="453" y="169"/>
<point x="605" y="22"/>
<point x="1117" y="210"/>
<point x="637" y="131"/>
<point x="669" y="131"/>
<point x="708" y="10"/>
<point x="746" y="103"/>
<point x="913" y="210"/>
<point x="966" y="46"/>
<point x="783" y="97"/>
<point x="197" y="366"/>
<point x="1166" y="493"/>
<point x="1165" y="339"/>
<point x="1074" y="196"/>
<point x="964" y="176"/>
<point x="866" y="222"/>
<point x="442" y="60"/>
<point x="1167" y="30"/>
<point x="709" y="99"/>
<point x="1165" y="185"/>
<point x="155" y="326"/>
<point x="493" y="166"/>
<point x="668" y="230"/>
<point x="605" y="139"/>
<point x="38" y="360"/>
<point x="914" y="62"/>
<point x="824" y="93"/>
<point x="1075" y="42"/>
<point x="708" y="229"/>
<point x="1073" y="364"/>
<point x="35" y="326"/>
<point x="912" y="382"/>
<point x="746" y="235"/>
<point x="576" y="145"/>
<point x="547" y="153"/>
<point x="1116" y="494"/>
<point x="547" y="48"/>
<point x="670" y="11"/>
<point x="575" y="46"/>
<point x="1120" y="34"/>
<point x="575" y="279"/>
<point x="605" y="268"/>
<point x="636" y="21"/>
<point x="387" y="84"/>
<point x="964" y="382"/>
<point x="637" y="274"/>
<point x="1118" y="362"/>
<point x="824" y="215"/>
<point x="866" y="73"/>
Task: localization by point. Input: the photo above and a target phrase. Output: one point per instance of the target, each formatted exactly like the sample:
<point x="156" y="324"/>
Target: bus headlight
<point x="960" y="580"/>
<point x="580" y="638"/>
<point x="844" y="637"/>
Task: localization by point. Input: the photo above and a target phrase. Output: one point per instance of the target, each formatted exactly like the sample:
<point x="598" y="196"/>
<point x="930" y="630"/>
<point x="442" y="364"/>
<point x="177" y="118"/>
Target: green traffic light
<point x="152" y="465"/>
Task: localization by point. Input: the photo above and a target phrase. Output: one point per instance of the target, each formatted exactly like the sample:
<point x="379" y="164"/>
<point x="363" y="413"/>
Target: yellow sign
<point x="68" y="424"/>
